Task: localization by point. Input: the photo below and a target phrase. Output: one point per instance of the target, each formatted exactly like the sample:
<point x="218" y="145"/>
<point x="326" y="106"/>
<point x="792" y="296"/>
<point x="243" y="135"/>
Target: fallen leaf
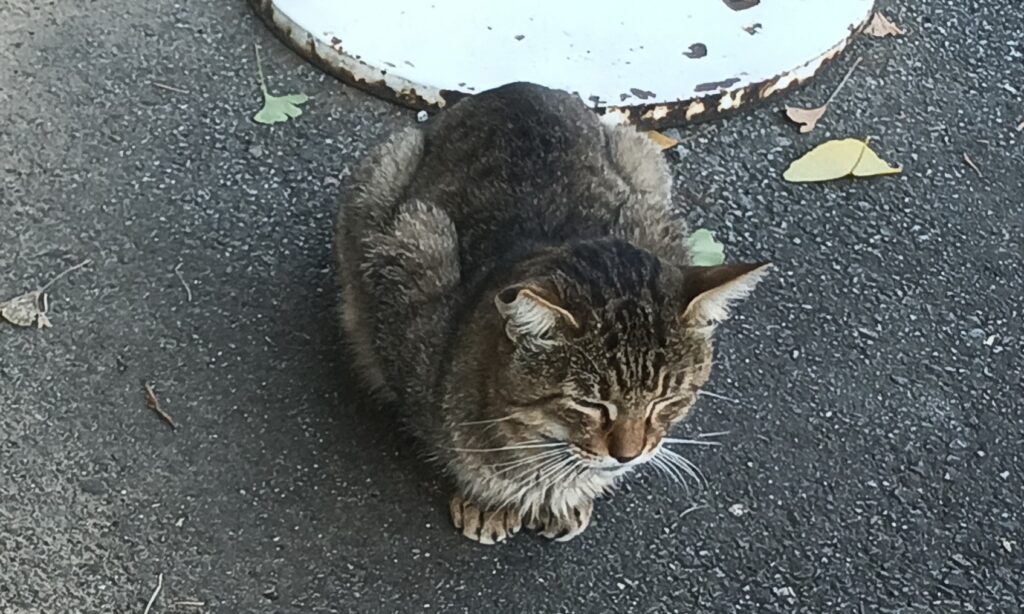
<point x="837" y="159"/>
<point x="807" y="118"/>
<point x="662" y="141"/>
<point x="25" y="310"/>
<point x="30" y="308"/>
<point x="880" y="26"/>
<point x="276" y="109"/>
<point x="704" y="250"/>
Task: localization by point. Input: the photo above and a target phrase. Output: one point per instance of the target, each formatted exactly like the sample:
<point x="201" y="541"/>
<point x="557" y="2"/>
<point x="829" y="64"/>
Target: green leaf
<point x="278" y="109"/>
<point x="704" y="250"/>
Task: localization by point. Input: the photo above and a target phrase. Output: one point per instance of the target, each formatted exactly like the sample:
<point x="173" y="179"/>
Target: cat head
<point x="604" y="347"/>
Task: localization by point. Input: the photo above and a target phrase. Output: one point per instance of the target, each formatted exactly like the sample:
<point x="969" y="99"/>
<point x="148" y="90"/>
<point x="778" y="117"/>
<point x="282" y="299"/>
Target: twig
<point x="156" y="591"/>
<point x="849" y="73"/>
<point x="259" y="67"/>
<point x="154" y="404"/>
<point x="164" y="86"/>
<point x="971" y="164"/>
<point x="691" y="510"/>
<point x="63" y="273"/>
<point x="188" y="291"/>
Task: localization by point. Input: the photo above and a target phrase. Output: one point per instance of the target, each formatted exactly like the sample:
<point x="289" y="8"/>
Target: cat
<point x="514" y="280"/>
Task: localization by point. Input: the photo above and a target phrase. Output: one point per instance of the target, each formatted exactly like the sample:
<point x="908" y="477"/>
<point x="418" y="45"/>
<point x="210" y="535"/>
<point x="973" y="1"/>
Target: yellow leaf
<point x="881" y="26"/>
<point x="830" y="160"/>
<point x="835" y="160"/>
<point x="662" y="141"/>
<point x="807" y="118"/>
<point x="870" y="165"/>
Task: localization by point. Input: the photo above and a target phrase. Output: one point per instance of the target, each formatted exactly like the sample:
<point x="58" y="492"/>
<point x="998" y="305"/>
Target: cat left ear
<point x="710" y="290"/>
<point x="531" y="314"/>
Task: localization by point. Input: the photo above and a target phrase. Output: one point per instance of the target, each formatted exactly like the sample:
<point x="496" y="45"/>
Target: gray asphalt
<point x="876" y="434"/>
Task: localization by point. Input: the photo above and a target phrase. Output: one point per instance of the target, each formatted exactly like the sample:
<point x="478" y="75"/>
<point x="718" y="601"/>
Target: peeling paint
<point x="717" y="85"/>
<point x="697" y="51"/>
<point x="694" y="109"/>
<point x="741" y="5"/>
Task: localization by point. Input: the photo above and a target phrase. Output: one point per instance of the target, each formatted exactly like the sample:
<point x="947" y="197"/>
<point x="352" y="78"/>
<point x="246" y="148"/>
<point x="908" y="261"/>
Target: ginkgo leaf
<point x="807" y="118"/>
<point x="837" y="159"/>
<point x="880" y="26"/>
<point x="662" y="141"/>
<point x="276" y="109"/>
<point x="704" y="250"/>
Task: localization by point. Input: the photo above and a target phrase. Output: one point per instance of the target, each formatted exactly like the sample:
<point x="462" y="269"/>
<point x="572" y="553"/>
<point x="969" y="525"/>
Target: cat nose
<point x="624" y="459"/>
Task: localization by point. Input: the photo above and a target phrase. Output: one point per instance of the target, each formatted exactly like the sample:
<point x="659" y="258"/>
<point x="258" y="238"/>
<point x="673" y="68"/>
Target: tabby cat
<point x="514" y="280"/>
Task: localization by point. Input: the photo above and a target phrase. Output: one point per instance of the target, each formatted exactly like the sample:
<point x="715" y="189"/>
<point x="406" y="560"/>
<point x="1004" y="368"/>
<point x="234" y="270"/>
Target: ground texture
<point x="877" y="437"/>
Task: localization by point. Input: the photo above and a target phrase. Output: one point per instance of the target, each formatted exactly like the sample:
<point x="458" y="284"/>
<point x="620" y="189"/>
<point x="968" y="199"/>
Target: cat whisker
<point x="691" y="442"/>
<point x="671" y="470"/>
<point x="523" y="446"/>
<point x="525" y="461"/>
<point x="542" y="472"/>
<point x="563" y="475"/>
<point x="715" y="434"/>
<point x="491" y="421"/>
<point x="686" y="465"/>
<point x="715" y="395"/>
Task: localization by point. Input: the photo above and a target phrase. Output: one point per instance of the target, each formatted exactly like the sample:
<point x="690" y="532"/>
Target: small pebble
<point x="957" y="580"/>
<point x="255" y="151"/>
<point x="93" y="486"/>
<point x="738" y="509"/>
<point x="422" y="116"/>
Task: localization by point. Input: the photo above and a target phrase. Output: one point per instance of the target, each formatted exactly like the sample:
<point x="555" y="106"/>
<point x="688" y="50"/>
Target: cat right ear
<point x="709" y="291"/>
<point x="531" y="314"/>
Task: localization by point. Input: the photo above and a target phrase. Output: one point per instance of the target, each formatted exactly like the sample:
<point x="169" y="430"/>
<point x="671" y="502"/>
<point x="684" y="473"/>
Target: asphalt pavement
<point x="874" y="461"/>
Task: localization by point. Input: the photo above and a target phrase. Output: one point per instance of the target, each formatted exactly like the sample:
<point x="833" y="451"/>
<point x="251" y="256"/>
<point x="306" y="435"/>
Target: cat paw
<point x="486" y="527"/>
<point x="562" y="527"/>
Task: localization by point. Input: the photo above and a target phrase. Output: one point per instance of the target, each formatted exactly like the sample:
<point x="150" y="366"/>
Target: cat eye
<point x="659" y="406"/>
<point x="599" y="410"/>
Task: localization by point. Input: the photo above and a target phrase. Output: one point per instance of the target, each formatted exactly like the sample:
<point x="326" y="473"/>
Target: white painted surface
<point x="612" y="51"/>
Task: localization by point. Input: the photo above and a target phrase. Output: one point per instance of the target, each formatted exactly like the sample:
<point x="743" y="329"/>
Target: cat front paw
<point x="560" y="526"/>
<point x="484" y="526"/>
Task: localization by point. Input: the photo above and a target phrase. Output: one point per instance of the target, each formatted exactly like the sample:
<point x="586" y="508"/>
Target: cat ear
<point x="710" y="290"/>
<point x="531" y="314"/>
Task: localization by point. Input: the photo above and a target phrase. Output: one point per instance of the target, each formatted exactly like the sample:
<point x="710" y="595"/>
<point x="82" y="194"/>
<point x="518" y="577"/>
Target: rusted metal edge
<point x="726" y="102"/>
<point x="719" y="102"/>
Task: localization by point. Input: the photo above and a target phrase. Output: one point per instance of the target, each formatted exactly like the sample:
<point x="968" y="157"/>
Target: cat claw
<point x="486" y="527"/>
<point x="562" y="528"/>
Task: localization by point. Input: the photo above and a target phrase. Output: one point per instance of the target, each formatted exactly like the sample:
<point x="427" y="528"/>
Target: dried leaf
<point x="807" y="118"/>
<point x="662" y="141"/>
<point x="838" y="159"/>
<point x="25" y="310"/>
<point x="30" y="308"/>
<point x="880" y="26"/>
<point x="704" y="250"/>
